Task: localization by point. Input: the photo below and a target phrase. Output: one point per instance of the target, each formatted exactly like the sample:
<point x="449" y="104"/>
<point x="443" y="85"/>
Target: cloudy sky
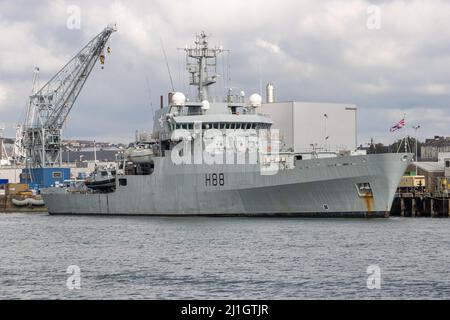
<point x="388" y="57"/>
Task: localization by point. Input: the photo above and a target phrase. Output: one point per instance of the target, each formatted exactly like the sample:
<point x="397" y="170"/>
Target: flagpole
<point x="416" y="127"/>
<point x="398" y="126"/>
<point x="406" y="136"/>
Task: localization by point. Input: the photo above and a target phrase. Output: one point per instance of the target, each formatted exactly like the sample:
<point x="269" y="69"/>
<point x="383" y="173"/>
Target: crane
<point x="49" y="106"/>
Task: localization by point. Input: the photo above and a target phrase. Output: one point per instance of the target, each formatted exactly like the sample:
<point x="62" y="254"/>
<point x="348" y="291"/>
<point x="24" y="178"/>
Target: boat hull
<point x="314" y="188"/>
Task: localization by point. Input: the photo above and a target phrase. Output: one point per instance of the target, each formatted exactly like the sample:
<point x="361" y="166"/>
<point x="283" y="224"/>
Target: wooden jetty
<point x="421" y="204"/>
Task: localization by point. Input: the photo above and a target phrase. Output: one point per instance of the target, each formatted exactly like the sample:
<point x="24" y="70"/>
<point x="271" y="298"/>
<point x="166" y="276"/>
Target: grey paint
<point x="303" y="190"/>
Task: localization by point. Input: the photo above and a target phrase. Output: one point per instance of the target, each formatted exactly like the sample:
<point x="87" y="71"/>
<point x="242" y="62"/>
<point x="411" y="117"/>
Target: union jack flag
<point x="398" y="125"/>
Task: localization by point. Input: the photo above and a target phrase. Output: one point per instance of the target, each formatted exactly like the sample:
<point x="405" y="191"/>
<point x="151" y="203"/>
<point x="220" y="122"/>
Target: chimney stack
<point x="269" y="93"/>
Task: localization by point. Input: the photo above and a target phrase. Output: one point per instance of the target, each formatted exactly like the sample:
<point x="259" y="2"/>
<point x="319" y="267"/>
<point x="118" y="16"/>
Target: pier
<point x="17" y="197"/>
<point x="421" y="204"/>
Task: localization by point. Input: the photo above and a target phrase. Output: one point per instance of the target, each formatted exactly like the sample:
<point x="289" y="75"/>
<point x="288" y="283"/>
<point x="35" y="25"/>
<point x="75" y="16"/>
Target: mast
<point x="202" y="65"/>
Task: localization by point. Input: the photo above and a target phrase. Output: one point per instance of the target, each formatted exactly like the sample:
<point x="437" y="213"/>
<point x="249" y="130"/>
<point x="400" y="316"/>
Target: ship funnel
<point x="269" y="93"/>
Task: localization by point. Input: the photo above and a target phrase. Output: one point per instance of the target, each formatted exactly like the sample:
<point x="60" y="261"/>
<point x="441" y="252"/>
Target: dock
<point x="17" y="197"/>
<point x="421" y="204"/>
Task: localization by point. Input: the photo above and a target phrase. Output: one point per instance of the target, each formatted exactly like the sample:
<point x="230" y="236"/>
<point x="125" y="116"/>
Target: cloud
<point x="434" y="89"/>
<point x="380" y="86"/>
<point x="271" y="47"/>
<point x="4" y="92"/>
<point x="311" y="50"/>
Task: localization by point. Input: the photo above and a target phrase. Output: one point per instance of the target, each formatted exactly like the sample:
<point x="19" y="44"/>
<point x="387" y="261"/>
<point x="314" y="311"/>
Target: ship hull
<point x="313" y="188"/>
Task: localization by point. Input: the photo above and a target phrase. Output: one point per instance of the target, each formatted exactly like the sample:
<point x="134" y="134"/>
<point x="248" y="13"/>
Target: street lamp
<point x="415" y="129"/>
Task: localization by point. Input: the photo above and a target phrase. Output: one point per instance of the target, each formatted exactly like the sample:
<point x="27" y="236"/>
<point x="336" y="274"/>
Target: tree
<point x="399" y="146"/>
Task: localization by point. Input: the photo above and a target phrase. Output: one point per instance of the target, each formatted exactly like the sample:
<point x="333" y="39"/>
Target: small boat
<point x="102" y="179"/>
<point x="141" y="153"/>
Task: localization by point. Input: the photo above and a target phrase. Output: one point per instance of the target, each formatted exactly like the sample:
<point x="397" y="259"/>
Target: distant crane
<point x="49" y="106"/>
<point x="19" y="152"/>
<point x="4" y="158"/>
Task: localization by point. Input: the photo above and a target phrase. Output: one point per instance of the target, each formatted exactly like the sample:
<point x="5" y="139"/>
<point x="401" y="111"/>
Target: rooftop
<point x="437" y="141"/>
<point x="430" y="166"/>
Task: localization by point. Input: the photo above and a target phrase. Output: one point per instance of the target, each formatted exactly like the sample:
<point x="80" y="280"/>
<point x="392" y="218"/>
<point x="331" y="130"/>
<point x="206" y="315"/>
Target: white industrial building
<point x="308" y="126"/>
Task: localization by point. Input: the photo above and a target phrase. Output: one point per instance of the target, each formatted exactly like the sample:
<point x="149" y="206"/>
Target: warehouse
<point x="432" y="147"/>
<point x="308" y="126"/>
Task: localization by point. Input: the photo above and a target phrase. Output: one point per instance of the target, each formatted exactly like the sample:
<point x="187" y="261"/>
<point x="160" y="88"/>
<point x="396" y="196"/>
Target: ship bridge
<point x="223" y="121"/>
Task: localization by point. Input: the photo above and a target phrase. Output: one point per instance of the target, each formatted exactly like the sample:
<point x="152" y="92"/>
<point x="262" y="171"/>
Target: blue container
<point x="45" y="177"/>
<point x="33" y="186"/>
<point x="4" y="181"/>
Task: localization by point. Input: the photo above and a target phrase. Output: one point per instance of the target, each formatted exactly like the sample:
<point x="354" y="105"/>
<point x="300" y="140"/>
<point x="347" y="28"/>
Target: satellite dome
<point x="255" y="100"/>
<point x="178" y="99"/>
<point x="205" y="104"/>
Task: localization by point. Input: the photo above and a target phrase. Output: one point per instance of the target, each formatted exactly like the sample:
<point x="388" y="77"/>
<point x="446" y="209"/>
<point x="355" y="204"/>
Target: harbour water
<point x="229" y="258"/>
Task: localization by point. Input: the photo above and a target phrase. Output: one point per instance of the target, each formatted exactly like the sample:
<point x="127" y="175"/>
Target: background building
<point x="305" y="126"/>
<point x="432" y="147"/>
<point x="433" y="172"/>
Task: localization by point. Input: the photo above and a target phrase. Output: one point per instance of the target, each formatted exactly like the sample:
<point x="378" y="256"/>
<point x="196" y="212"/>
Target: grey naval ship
<point x="188" y="166"/>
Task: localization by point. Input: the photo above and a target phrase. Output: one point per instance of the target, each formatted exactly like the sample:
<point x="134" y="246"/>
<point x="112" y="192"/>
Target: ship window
<point x="249" y="125"/>
<point x="233" y="126"/>
<point x="123" y="182"/>
<point x="447" y="164"/>
<point x="216" y="126"/>
<point x="222" y="126"/>
<point x="191" y="126"/>
<point x="364" y="189"/>
<point x="104" y="173"/>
